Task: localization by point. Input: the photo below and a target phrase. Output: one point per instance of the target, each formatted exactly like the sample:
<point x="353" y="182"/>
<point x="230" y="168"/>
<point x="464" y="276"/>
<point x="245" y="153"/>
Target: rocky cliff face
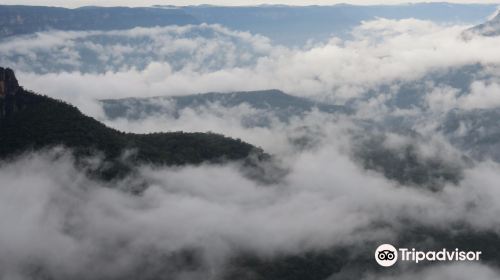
<point x="9" y="87"/>
<point x="8" y="82"/>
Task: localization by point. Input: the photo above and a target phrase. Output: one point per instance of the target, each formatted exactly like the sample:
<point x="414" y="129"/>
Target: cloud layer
<point x="196" y="59"/>
<point x="56" y="219"/>
<point x="191" y="221"/>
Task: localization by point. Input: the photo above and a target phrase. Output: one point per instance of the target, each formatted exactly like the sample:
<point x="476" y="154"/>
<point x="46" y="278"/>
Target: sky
<point x="132" y="3"/>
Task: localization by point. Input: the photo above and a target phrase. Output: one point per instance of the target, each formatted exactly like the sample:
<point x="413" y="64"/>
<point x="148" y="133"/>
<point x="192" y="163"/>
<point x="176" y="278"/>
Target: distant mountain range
<point x="281" y="105"/>
<point x="402" y="165"/>
<point x="296" y="25"/>
<point x="284" y="24"/>
<point x="19" y="20"/>
<point x="38" y="122"/>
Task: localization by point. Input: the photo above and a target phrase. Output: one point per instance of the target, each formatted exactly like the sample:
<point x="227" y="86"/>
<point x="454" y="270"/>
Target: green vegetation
<point x="44" y="123"/>
<point x="405" y="164"/>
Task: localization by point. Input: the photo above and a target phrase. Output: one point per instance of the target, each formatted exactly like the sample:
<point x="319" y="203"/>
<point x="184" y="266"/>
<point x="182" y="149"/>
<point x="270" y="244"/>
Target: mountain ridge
<point x="40" y="122"/>
<point x="275" y="22"/>
<point x="22" y="20"/>
<point x="489" y="29"/>
<point x="281" y="104"/>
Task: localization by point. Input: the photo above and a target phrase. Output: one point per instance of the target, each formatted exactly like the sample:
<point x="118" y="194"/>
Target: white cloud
<point x="326" y="199"/>
<point x="55" y="218"/>
<point x="382" y="52"/>
<point x="483" y="96"/>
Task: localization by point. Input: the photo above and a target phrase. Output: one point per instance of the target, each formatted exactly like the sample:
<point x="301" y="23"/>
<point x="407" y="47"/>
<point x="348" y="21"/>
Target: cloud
<point x="196" y="48"/>
<point x="56" y="221"/>
<point x="184" y="60"/>
<point x="483" y="95"/>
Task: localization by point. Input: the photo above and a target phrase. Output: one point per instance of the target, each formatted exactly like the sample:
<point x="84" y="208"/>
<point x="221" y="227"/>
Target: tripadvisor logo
<point x="387" y="255"/>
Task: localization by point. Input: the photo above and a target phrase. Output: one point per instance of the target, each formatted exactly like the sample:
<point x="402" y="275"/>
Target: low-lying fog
<point x="337" y="191"/>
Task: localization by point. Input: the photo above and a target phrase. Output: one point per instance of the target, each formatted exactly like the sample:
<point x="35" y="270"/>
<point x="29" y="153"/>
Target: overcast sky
<point x="78" y="3"/>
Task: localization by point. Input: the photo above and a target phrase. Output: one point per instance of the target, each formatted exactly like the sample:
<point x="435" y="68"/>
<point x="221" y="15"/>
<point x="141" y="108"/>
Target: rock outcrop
<point x="9" y="88"/>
